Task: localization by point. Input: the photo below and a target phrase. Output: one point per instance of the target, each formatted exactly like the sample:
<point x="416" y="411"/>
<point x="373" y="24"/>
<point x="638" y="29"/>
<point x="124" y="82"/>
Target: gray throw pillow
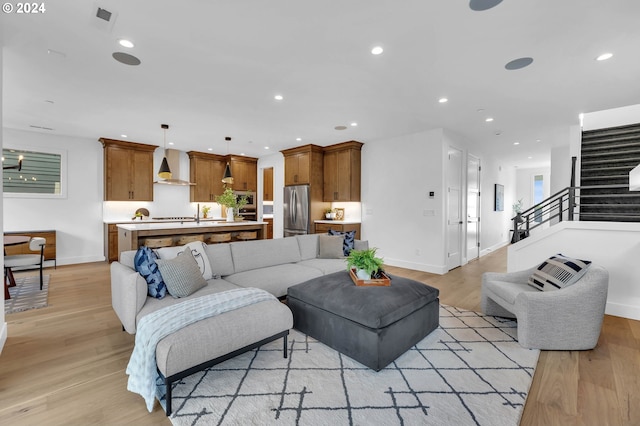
<point x="331" y="246"/>
<point x="181" y="274"/>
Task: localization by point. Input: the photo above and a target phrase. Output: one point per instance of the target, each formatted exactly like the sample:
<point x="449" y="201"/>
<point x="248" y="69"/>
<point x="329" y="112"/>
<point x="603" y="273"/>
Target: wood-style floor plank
<point x="64" y="364"/>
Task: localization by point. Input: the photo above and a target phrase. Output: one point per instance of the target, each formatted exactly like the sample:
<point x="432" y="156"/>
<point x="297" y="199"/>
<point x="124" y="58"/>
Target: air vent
<point x="103" y="14"/>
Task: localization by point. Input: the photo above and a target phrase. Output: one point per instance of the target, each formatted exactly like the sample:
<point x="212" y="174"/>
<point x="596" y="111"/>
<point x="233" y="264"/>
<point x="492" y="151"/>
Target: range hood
<point x="173" y="158"/>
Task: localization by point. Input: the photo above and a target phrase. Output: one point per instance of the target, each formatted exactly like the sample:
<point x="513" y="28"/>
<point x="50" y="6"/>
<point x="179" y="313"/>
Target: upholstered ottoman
<point x="373" y="325"/>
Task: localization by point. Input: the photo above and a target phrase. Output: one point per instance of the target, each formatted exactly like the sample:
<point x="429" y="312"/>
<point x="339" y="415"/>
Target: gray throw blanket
<point x="152" y="328"/>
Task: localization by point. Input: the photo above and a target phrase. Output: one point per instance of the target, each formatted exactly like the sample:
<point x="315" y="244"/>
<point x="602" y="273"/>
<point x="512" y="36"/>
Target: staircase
<point x="608" y="155"/>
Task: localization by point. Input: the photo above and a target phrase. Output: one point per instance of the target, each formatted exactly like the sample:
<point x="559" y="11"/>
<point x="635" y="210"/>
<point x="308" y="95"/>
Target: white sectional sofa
<point x="271" y="265"/>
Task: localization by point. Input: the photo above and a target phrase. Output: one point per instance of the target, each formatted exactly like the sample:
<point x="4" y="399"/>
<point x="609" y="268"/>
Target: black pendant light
<point x="227" y="179"/>
<point x="164" y="172"/>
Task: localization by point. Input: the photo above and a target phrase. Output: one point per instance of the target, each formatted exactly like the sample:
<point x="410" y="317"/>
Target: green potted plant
<point x="365" y="263"/>
<point x="232" y="203"/>
<point x="205" y="211"/>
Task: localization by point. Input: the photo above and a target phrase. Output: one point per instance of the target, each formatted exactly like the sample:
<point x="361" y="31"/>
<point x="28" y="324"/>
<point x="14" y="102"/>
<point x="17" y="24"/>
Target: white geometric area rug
<point x="469" y="371"/>
<point x="27" y="294"/>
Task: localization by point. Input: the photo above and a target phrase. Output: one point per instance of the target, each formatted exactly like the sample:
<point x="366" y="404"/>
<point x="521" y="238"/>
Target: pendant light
<point x="164" y="172"/>
<point x="227" y="179"/>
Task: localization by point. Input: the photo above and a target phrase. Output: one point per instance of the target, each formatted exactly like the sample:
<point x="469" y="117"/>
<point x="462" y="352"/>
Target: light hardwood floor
<point x="64" y="364"/>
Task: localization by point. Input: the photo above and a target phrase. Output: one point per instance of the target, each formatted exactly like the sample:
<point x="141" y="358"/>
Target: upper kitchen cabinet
<point x="206" y="171"/>
<point x="245" y="172"/>
<point x="128" y="170"/>
<point x="267" y="184"/>
<point x="302" y="165"/>
<point x="342" y="171"/>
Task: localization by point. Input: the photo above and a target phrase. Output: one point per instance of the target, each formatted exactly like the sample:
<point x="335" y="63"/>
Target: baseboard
<point x="493" y="248"/>
<point x="434" y="269"/>
<point x="3" y="336"/>
<point x="74" y="260"/>
<point x="623" y="310"/>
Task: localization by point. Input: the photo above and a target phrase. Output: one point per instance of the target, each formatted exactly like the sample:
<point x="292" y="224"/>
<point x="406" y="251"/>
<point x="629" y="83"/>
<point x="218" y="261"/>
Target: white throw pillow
<point x="558" y="272"/>
<point x="199" y="254"/>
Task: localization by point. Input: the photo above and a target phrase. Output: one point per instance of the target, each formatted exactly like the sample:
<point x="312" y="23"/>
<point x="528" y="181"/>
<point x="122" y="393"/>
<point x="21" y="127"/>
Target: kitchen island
<point x="132" y="235"/>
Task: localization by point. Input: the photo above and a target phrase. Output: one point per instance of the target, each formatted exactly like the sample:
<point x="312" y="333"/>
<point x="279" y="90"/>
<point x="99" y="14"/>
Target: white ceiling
<point x="210" y="69"/>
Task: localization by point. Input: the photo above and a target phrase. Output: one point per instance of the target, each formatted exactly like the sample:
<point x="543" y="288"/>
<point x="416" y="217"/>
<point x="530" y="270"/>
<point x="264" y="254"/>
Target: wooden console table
<point x="49" y="249"/>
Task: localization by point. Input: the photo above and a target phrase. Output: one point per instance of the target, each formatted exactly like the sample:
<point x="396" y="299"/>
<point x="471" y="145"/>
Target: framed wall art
<point x="499" y="198"/>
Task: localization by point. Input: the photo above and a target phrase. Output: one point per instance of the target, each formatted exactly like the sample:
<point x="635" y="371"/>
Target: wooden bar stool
<point x="247" y="235"/>
<point x="220" y="238"/>
<point x="158" y="242"/>
<point x="186" y="239"/>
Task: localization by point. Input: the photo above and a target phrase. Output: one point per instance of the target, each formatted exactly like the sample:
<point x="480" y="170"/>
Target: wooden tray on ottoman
<point x="377" y="282"/>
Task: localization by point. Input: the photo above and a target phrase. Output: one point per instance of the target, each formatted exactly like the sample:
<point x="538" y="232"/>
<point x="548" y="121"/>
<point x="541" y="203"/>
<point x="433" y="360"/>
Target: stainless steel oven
<point x="248" y="212"/>
<point x="251" y="198"/>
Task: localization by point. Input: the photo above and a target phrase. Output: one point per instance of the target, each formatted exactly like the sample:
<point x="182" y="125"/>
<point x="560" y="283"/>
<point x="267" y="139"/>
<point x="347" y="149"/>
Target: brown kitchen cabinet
<point x="269" y="222"/>
<point x="206" y="171"/>
<point x="267" y="184"/>
<point x="303" y="165"/>
<point x="111" y="239"/>
<point x="245" y="172"/>
<point x="128" y="170"/>
<point x="342" y="168"/>
<point x="323" y="228"/>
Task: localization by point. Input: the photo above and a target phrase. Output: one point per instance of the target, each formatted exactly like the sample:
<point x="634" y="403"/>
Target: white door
<point x="473" y="207"/>
<point x="454" y="208"/>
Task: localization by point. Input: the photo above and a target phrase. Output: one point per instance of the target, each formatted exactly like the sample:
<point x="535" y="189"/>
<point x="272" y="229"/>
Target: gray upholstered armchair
<point x="565" y="319"/>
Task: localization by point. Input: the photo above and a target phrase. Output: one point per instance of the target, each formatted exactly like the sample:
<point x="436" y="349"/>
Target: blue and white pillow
<point x="349" y="238"/>
<point x="145" y="264"/>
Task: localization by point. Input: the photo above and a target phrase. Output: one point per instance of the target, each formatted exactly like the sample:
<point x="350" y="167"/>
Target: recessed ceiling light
<point x="537" y="140"/>
<point x="354" y="124"/>
<point x="377" y="50"/>
<point x="488" y="119"/>
<point x="443" y="100"/>
<point x="298" y="139"/>
<point x="170" y="143"/>
<point x="242" y="153"/>
<point x="266" y="147"/>
<point x="340" y="127"/>
<point x="519" y="63"/>
<point x="529" y="158"/>
<point x="516" y="143"/>
<point x="126" y="43"/>
<point x="123" y="136"/>
<point x="604" y="57"/>
<point x="278" y="97"/>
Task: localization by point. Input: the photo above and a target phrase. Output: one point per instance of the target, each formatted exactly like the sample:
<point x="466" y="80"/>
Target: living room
<point x="411" y="157"/>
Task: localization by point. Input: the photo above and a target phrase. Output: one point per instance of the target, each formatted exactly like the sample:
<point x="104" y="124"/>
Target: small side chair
<point x="566" y="319"/>
<point x="36" y="244"/>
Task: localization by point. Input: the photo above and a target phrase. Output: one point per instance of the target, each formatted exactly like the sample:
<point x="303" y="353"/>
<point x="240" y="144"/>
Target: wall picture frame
<point x="499" y="198"/>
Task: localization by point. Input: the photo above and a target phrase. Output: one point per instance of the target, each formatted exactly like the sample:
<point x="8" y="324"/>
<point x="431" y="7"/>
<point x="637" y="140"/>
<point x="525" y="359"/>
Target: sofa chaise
<point x="270" y="265"/>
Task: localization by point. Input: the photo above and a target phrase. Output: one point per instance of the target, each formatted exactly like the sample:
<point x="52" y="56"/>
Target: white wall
<point x="77" y="218"/>
<point x="612" y="117"/>
<point x="615" y="246"/>
<point x="397" y="175"/>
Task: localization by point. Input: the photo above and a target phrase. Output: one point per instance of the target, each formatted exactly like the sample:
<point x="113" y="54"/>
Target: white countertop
<point x="339" y="222"/>
<point x="114" y="222"/>
<point x="150" y="225"/>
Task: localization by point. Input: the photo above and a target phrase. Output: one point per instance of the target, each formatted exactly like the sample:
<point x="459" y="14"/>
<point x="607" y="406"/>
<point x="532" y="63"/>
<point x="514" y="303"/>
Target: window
<point x="42" y="175"/>
<point x="538" y="196"/>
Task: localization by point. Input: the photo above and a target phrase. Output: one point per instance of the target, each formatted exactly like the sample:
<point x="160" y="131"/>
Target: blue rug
<point x="469" y="371"/>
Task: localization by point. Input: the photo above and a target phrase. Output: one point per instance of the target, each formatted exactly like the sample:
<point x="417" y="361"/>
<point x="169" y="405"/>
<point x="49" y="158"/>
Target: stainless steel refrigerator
<point x="297" y="203"/>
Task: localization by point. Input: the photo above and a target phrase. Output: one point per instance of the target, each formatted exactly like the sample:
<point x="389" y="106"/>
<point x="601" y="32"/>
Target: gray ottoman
<point x="373" y="325"/>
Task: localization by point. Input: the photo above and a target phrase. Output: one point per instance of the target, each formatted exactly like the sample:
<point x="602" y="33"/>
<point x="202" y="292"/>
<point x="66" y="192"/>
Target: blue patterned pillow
<point x="145" y="264"/>
<point x="349" y="238"/>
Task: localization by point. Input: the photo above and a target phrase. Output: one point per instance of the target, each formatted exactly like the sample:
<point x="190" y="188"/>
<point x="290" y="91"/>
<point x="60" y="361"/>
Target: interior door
<point x="454" y="208"/>
<point x="473" y="207"/>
